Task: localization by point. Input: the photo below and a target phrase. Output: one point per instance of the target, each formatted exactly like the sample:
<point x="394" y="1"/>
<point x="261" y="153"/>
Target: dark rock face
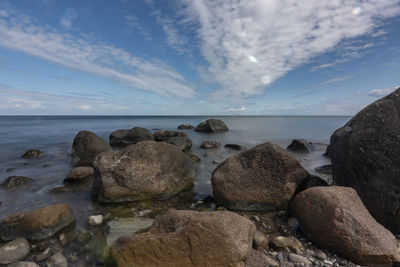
<point x="123" y="138"/>
<point x="211" y="125"/>
<point x="185" y="126"/>
<point x="265" y="178"/>
<point x="188" y="238"/>
<point x="336" y="219"/>
<point x="180" y="139"/>
<point x="86" y="147"/>
<point x="117" y="138"/>
<point x="210" y="144"/>
<point x="324" y="169"/>
<point x="235" y="147"/>
<point x="37" y="224"/>
<point x="32" y="153"/>
<point x="312" y="181"/>
<point x="301" y="145"/>
<point x="365" y="155"/>
<point x="14" y="181"/>
<point x="146" y="170"/>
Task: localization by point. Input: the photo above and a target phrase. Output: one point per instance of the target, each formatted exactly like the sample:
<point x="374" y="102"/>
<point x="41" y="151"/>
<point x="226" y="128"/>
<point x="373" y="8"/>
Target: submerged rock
<point x="32" y="153"/>
<point x="125" y="226"/>
<point x="301" y="145"/>
<point x="117" y="138"/>
<point x="86" y="147"/>
<point x="57" y="260"/>
<point x="14" y="181"/>
<point x="365" y="155"/>
<point x="78" y="174"/>
<point x="235" y="146"/>
<point x="14" y="251"/>
<point x="289" y="244"/>
<point x="188" y="238"/>
<point x="210" y="144"/>
<point x="37" y="224"/>
<point x="146" y="170"/>
<point x="185" y="126"/>
<point x="324" y="169"/>
<point x="211" y="125"/>
<point x="265" y="177"/>
<point x="336" y="219"/>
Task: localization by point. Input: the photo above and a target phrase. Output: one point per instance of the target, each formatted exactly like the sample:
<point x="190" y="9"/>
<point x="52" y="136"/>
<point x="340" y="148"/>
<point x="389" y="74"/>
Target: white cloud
<point x="68" y="18"/>
<point x="382" y="92"/>
<point x="278" y="34"/>
<point x="336" y="79"/>
<point x="241" y="108"/>
<point x="83" y="53"/>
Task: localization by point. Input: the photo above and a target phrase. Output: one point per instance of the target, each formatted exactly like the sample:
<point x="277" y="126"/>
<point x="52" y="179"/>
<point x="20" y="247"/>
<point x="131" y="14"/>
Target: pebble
<point x="299" y="259"/>
<point x="329" y="263"/>
<point x="279" y="257"/>
<point x="63" y="238"/>
<point x="321" y="255"/>
<point x="43" y="255"/>
<point x="143" y="213"/>
<point x="14" y="251"/>
<point x="57" y="260"/>
<point x="256" y="218"/>
<point x="95" y="220"/>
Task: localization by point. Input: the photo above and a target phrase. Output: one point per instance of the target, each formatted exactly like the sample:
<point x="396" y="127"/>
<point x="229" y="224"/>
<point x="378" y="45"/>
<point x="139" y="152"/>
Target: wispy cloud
<point x="382" y="92"/>
<point x="22" y="33"/>
<point x="67" y="19"/>
<point x="133" y="22"/>
<point x="250" y="44"/>
<point x="236" y="109"/>
<point x="336" y="79"/>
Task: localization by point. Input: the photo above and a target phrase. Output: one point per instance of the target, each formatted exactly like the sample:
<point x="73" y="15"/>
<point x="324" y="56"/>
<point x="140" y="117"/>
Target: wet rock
<point x="78" y="174"/>
<point x="265" y="177"/>
<point x="180" y="139"/>
<point x="125" y="226"/>
<point x="195" y="158"/>
<point x="23" y="264"/>
<point x="86" y="147"/>
<point x="235" y="146"/>
<point x="33" y="153"/>
<point x="43" y="255"/>
<point x="260" y="241"/>
<point x="95" y="220"/>
<point x="185" y="126"/>
<point x="64" y="239"/>
<point x="299" y="259"/>
<point x="211" y="125"/>
<point x="188" y="238"/>
<point x="15" y="181"/>
<point x="258" y="258"/>
<point x="37" y="224"/>
<point x="335" y="218"/>
<point x="210" y="144"/>
<point x="325" y="169"/>
<point x="365" y="156"/>
<point x="146" y="170"/>
<point x="46" y="165"/>
<point x="57" y="260"/>
<point x="117" y="138"/>
<point x="289" y="244"/>
<point x="301" y="145"/>
<point x="14" y="251"/>
<point x="9" y="169"/>
<point x="132" y="136"/>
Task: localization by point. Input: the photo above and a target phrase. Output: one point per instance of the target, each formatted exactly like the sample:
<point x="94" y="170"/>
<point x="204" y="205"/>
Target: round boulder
<point x="365" y="156"/>
<point x="336" y="219"/>
<point x="37" y="224"/>
<point x="146" y="170"/>
<point x="86" y="147"/>
<point x="117" y="138"/>
<point x="138" y="134"/>
<point x="211" y="125"/>
<point x="263" y="178"/>
<point x="14" y="251"/>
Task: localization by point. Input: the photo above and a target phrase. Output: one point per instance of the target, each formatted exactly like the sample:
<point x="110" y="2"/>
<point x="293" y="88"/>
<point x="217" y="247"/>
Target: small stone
<point x="95" y="220"/>
<point x="279" y="257"/>
<point x="321" y="255"/>
<point x="210" y="144"/>
<point x="256" y="218"/>
<point x="32" y="153"/>
<point x="57" y="260"/>
<point x="326" y="262"/>
<point x="299" y="259"/>
<point x="14" y="181"/>
<point x="64" y="239"/>
<point x="143" y="213"/>
<point x="215" y="161"/>
<point x="185" y="126"/>
<point x="46" y="165"/>
<point x="78" y="174"/>
<point x="260" y="241"/>
<point x="14" y="251"/>
<point x="43" y="255"/>
<point x="289" y="244"/>
<point x="9" y="169"/>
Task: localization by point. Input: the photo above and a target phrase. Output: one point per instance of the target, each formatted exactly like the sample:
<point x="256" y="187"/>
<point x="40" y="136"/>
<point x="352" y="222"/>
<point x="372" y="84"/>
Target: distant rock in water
<point x="146" y="170"/>
<point x="180" y="139"/>
<point x="211" y="125"/>
<point x="324" y="169"/>
<point x="210" y="144"/>
<point x="123" y="138"/>
<point x="185" y="126"/>
<point x="365" y="155"/>
<point x="235" y="147"/>
<point x="263" y="178"/>
<point x="86" y="147"/>
<point x="78" y="174"/>
<point x="14" y="181"/>
<point x="301" y="145"/>
<point x="32" y="153"/>
<point x="335" y="218"/>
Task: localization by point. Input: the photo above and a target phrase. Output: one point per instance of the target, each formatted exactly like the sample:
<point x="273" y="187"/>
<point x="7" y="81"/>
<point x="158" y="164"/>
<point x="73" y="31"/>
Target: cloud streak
<point x="382" y="92"/>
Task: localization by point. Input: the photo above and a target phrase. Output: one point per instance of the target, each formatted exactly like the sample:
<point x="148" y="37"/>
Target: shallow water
<point x="54" y="135"/>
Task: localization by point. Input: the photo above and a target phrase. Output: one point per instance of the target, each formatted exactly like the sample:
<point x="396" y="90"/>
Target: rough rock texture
<point x="146" y="170"/>
<point x="259" y="259"/>
<point x="365" y="155"/>
<point x="265" y="177"/>
<point x="78" y="174"/>
<point x="14" y="181"/>
<point x="117" y="138"/>
<point x="114" y="229"/>
<point x="14" y="251"/>
<point x="86" y="147"/>
<point x="188" y="238"/>
<point x="179" y="139"/>
<point x="32" y="153"/>
<point x="336" y="219"/>
<point x="36" y="224"/>
<point x="211" y="125"/>
<point x="138" y="134"/>
<point x="185" y="126"/>
<point x="210" y="144"/>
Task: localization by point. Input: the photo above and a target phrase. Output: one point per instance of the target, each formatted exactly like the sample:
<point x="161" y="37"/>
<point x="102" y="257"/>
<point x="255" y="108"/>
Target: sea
<point x="54" y="136"/>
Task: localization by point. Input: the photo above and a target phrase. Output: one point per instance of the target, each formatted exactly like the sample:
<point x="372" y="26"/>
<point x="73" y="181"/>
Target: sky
<point x="197" y="57"/>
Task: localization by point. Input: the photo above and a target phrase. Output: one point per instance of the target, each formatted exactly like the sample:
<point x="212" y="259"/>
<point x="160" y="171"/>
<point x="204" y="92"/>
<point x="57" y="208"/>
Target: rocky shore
<point x="266" y="208"/>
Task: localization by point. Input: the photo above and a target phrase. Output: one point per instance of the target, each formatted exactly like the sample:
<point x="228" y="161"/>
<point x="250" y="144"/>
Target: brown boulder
<point x="188" y="238"/>
<point x="32" y="153"/>
<point x="211" y="125"/>
<point x="265" y="177"/>
<point x="210" y="144"/>
<point x="336" y="219"/>
<point x="37" y="224"/>
<point x="86" y="147"/>
<point x="146" y="170"/>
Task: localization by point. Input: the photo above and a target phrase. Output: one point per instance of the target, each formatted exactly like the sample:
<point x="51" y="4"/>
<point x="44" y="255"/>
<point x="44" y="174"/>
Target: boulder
<point x="86" y="147"/>
<point x="188" y="238"/>
<point x="336" y="219"/>
<point x="210" y="144"/>
<point x="117" y="138"/>
<point x="365" y="156"/>
<point x="235" y="147"/>
<point x="179" y="139"/>
<point x="14" y="181"/>
<point x="301" y="145"/>
<point x="114" y="229"/>
<point x="211" y="125"/>
<point x="32" y="153"/>
<point x="14" y="251"/>
<point x="36" y="224"/>
<point x="146" y="170"/>
<point x="78" y="174"/>
<point x="185" y="126"/>
<point x="263" y="178"/>
<point x="138" y="134"/>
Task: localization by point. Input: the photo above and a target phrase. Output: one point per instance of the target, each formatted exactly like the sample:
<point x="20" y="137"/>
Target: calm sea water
<point x="54" y="135"/>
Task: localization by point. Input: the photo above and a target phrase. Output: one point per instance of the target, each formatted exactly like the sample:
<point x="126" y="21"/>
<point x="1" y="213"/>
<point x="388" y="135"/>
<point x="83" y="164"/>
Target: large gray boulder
<point x="86" y="147"/>
<point x="14" y="251"/>
<point x="211" y="125"/>
<point x="177" y="138"/>
<point x="365" y="155"/>
<point x="122" y="138"/>
<point x="146" y="170"/>
<point x="263" y="178"/>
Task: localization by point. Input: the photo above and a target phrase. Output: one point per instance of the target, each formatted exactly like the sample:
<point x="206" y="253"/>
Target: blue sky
<point x="197" y="57"/>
